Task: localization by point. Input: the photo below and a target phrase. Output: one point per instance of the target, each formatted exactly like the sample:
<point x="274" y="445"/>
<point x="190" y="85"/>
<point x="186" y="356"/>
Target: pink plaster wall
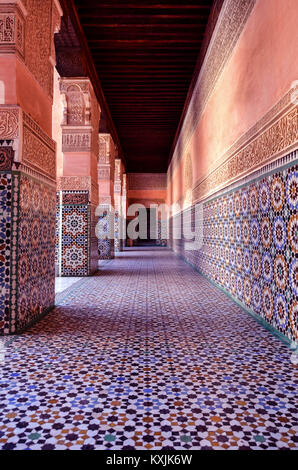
<point x="104" y="188"/>
<point x="8" y="77"/>
<point x="76" y="164"/>
<point x="22" y="89"/>
<point x="259" y="72"/>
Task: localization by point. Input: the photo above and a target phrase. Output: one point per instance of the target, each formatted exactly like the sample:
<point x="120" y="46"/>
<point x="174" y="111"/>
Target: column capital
<point x="77" y="93"/>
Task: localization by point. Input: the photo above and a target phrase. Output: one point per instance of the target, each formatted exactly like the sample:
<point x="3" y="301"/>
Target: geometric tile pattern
<point x="106" y="249"/>
<point x="93" y="240"/>
<point x="36" y="250"/>
<point x="147" y="355"/>
<point x="160" y="241"/>
<point x="57" y="238"/>
<point x="27" y="241"/>
<point x="250" y="247"/>
<point x="118" y="242"/>
<point x="76" y="226"/>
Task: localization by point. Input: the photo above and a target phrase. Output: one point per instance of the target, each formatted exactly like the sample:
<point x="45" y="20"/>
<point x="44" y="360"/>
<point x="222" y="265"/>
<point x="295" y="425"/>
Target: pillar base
<point x="77" y="250"/>
<point x="106" y="249"/>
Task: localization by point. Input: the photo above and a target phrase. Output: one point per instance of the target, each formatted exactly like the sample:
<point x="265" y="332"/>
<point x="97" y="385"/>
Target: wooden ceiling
<point x="145" y="54"/>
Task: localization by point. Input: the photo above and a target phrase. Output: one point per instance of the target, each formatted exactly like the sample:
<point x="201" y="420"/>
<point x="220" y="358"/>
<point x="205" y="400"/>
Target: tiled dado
<point x="93" y="240"/>
<point x="27" y="239"/>
<point x="250" y="246"/>
<point x="105" y="244"/>
<point x="161" y="239"/>
<point x="76" y="255"/>
<point x="6" y="184"/>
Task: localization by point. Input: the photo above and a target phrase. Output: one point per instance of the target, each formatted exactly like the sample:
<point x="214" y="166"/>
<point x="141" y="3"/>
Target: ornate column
<point x="118" y="204"/>
<point x="124" y="209"/>
<point x="78" y="185"/>
<point x="106" y="170"/>
<point x="27" y="161"/>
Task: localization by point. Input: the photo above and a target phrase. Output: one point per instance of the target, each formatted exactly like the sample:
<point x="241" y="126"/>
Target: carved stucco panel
<point x="38" y="154"/>
<point x="9" y="123"/>
<point x="280" y="137"/>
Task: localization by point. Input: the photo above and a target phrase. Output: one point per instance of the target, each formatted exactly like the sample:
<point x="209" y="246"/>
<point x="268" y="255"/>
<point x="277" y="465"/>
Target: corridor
<point x="147" y="354"/>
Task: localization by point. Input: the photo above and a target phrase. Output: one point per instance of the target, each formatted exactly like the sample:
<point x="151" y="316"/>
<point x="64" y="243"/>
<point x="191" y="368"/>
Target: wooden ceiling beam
<point x="133" y="26"/>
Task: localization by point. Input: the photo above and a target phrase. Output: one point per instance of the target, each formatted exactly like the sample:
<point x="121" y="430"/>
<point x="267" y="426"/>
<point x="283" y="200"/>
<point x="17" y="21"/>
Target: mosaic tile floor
<point x="147" y="355"/>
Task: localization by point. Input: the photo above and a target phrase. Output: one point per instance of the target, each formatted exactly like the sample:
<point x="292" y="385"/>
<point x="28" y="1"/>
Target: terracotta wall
<point x="258" y="74"/>
<point x="236" y="156"/>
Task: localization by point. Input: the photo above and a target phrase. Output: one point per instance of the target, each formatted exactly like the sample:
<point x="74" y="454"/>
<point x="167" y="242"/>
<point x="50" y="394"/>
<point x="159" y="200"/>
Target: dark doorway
<point x="150" y="236"/>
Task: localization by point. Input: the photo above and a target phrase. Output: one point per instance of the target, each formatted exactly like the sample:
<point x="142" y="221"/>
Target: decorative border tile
<point x="5" y="252"/>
